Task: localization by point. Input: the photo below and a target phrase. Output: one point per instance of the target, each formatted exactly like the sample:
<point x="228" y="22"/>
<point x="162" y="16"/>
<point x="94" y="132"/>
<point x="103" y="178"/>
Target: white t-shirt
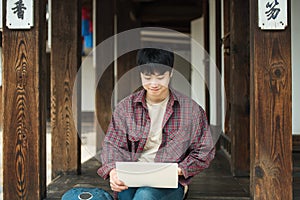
<point x="156" y="113"/>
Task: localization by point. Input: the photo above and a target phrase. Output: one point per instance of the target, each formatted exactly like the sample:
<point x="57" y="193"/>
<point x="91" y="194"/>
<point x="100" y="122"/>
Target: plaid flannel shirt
<point x="186" y="137"/>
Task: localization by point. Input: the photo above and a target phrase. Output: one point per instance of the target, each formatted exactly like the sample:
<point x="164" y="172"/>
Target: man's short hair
<point x="151" y="61"/>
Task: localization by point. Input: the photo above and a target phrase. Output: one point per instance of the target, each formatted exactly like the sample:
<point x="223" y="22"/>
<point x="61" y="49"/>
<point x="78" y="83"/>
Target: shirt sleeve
<point x="201" y="151"/>
<point x="115" y="146"/>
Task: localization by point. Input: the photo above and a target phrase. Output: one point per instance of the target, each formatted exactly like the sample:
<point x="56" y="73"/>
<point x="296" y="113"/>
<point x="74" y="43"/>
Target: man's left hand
<point x="179" y="172"/>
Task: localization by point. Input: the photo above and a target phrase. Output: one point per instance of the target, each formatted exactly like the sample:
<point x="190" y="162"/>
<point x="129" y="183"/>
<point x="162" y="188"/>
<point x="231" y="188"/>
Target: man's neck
<point x="154" y="100"/>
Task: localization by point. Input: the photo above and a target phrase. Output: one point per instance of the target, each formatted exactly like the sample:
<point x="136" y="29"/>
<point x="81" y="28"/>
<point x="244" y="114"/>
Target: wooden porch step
<point x="296" y="171"/>
<point x="215" y="183"/>
<point x="296" y="162"/>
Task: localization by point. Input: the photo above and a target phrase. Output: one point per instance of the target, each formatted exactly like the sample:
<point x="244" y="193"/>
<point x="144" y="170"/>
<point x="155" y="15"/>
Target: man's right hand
<point x="115" y="184"/>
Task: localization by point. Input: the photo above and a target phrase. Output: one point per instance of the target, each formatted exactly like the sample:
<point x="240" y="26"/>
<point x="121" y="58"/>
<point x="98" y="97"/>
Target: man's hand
<point x="115" y="184"/>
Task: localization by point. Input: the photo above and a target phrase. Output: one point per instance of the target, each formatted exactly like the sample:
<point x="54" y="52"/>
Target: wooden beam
<point x="169" y="12"/>
<point x="183" y="27"/>
<point x="271" y="113"/>
<point x="172" y="15"/>
<point x="24" y="118"/>
<point x="239" y="87"/>
<point x="65" y="62"/>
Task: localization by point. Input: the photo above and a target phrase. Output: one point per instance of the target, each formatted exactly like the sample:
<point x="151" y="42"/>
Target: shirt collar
<point x="140" y="97"/>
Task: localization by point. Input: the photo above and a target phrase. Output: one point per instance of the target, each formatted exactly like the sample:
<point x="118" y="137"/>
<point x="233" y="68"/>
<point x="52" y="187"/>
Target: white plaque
<point x="19" y="14"/>
<point x="272" y="14"/>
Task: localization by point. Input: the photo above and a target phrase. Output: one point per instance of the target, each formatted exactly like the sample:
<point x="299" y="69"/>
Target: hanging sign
<point x="272" y="14"/>
<point x="19" y="14"/>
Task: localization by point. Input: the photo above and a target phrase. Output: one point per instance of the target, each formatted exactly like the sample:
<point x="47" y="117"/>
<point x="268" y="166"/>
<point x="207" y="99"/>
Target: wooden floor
<point x="296" y="174"/>
<point x="214" y="183"/>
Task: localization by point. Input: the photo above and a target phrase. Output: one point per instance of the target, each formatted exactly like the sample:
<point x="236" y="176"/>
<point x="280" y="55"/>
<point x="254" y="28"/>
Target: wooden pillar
<point x="206" y="63"/>
<point x="218" y="85"/>
<point x="225" y="139"/>
<point x="104" y="26"/>
<point x="218" y="54"/>
<point x="271" y="114"/>
<point x="24" y="118"/>
<point x="239" y="88"/>
<point x="126" y="21"/>
<point x="65" y="62"/>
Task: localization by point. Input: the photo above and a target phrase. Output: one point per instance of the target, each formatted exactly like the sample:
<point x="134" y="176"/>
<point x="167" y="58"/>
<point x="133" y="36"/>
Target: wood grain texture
<point x="240" y="87"/>
<point x="271" y="116"/>
<point x="65" y="63"/>
<point x="24" y="127"/>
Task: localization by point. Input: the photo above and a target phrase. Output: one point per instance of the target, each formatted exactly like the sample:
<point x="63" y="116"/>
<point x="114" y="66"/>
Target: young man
<point x="156" y="124"/>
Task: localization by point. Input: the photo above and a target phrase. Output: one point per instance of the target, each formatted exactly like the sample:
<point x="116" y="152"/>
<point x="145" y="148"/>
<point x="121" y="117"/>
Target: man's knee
<point x="148" y="193"/>
<point x="145" y="193"/>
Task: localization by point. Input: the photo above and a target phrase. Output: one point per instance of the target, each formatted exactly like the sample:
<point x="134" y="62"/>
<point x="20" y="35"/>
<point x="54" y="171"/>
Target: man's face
<point x="156" y="85"/>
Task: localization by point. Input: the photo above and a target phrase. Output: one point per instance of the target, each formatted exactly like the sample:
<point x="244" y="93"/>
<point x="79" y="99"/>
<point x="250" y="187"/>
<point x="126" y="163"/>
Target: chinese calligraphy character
<point x="273" y="12"/>
<point x="19" y="9"/>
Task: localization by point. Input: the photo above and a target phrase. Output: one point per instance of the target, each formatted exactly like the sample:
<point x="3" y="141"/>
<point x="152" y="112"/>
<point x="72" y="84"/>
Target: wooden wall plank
<point x="239" y="87"/>
<point x="271" y="114"/>
<point x="65" y="62"/>
<point x="24" y="127"/>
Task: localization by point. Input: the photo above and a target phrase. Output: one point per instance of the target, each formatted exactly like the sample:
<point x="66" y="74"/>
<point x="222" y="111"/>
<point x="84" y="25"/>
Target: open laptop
<point x="138" y="174"/>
